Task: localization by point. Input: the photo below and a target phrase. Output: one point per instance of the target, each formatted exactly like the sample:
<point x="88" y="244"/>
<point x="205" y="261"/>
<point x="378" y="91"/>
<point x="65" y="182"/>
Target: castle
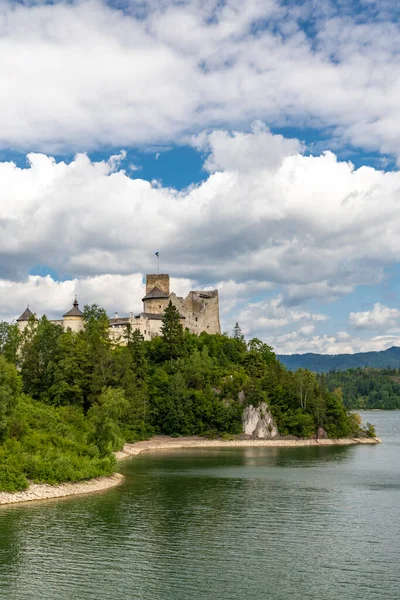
<point x="199" y="311"/>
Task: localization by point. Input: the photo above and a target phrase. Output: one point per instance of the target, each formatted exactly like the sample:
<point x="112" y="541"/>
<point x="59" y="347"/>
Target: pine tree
<point x="71" y="370"/>
<point x="237" y="332"/>
<point x="96" y="334"/>
<point x="10" y="340"/>
<point x="38" y="351"/>
<point x="172" y="332"/>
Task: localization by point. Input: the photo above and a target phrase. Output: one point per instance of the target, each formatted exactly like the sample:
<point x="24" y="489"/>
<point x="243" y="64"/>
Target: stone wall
<point x="160" y="280"/>
<point x="74" y="323"/>
<point x="155" y="305"/>
<point x="200" y="309"/>
<point x="149" y="328"/>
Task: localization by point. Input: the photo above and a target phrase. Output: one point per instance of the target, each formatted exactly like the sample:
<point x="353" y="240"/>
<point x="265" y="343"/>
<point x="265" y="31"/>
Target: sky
<point x="255" y="145"/>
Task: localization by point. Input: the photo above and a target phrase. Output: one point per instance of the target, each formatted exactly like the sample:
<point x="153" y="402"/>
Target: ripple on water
<point x="265" y="523"/>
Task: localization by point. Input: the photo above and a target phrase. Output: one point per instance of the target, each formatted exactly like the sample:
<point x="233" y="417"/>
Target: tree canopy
<point x="69" y="400"/>
<point x="366" y="388"/>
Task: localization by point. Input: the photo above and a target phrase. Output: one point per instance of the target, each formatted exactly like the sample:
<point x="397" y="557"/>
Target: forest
<point x="366" y="388"/>
<point x="324" y="363"/>
<point x="69" y="400"/>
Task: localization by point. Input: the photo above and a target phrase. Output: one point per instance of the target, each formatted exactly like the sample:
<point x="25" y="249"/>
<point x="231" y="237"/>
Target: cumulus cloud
<point x="307" y="228"/>
<point x="312" y="225"/>
<point x="297" y="343"/>
<point x="379" y="317"/>
<point x="260" y="319"/>
<point x="238" y="151"/>
<point x="44" y="295"/>
<point x="158" y="71"/>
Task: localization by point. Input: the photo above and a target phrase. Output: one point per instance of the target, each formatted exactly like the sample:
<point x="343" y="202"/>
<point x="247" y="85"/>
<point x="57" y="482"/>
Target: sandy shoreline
<point x="167" y="443"/>
<point x="44" y="491"/>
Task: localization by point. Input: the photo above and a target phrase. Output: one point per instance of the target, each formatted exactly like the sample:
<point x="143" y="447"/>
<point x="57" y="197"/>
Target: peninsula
<point x="73" y="393"/>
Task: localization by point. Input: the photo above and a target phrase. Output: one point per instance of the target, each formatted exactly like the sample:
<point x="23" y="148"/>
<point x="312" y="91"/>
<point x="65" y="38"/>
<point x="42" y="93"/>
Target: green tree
<point x="10" y="340"/>
<point x="96" y="334"/>
<point x="71" y="371"/>
<point x="237" y="332"/>
<point x="172" y="333"/>
<point x="105" y="417"/>
<point x="305" y="385"/>
<point x="10" y="388"/>
<point x="39" y="343"/>
<point x="133" y="375"/>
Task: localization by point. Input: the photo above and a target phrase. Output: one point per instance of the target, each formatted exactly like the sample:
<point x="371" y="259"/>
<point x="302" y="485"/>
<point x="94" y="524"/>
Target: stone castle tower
<point x="157" y="294"/>
<point x="199" y="310"/>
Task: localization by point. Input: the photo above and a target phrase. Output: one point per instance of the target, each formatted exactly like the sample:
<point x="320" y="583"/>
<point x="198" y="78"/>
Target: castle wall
<point x="74" y="323"/>
<point x="149" y="328"/>
<point x="21" y="325"/>
<point x="201" y="311"/>
<point x="155" y="305"/>
<point x="160" y="280"/>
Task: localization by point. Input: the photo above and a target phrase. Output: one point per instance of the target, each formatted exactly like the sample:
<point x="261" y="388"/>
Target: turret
<point x="22" y="321"/>
<point x="73" y="319"/>
<point x="157" y="293"/>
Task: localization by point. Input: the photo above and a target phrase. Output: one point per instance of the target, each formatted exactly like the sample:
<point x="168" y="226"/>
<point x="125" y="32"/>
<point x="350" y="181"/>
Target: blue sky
<point x="255" y="145"/>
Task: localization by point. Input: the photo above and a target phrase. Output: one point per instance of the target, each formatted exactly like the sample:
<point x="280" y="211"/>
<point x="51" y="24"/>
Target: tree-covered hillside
<point x="323" y="363"/>
<point x="68" y="400"/>
<point x="366" y="388"/>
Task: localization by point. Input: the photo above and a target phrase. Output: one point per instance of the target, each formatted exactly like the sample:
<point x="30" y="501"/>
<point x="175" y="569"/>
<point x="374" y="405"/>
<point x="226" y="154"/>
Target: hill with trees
<point x="323" y="363"/>
<point x="365" y="388"/>
<point x="69" y="400"/>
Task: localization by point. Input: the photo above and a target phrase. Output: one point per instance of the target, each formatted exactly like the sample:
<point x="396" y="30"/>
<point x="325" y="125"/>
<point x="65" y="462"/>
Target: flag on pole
<point x="158" y="254"/>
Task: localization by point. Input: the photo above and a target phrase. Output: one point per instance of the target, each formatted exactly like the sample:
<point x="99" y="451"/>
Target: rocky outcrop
<point x="321" y="434"/>
<point x="258" y="422"/>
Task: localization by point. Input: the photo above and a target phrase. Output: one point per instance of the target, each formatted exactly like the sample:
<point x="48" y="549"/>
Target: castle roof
<point x="26" y="315"/>
<point x="74" y="312"/>
<point x="155" y="316"/>
<point x="155" y="293"/>
<point x="117" y="322"/>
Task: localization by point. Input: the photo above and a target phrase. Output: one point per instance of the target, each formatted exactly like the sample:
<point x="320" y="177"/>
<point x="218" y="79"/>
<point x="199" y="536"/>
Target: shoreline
<point x="38" y="491"/>
<point x="167" y="443"/>
<point x="44" y="491"/>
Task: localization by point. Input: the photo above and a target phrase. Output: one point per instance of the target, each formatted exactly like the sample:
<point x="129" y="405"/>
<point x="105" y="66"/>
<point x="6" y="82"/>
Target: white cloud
<point x="261" y="319"/>
<point x="297" y="343"/>
<point x="82" y="74"/>
<point x="379" y="317"/>
<point x="44" y="295"/>
<point x="310" y="228"/>
<point x="315" y="226"/>
<point x="238" y="151"/>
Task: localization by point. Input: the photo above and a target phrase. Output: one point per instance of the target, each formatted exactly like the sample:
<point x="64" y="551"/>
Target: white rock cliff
<point x="258" y="422"/>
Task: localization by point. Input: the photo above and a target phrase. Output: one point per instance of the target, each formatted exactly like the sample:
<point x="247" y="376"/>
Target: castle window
<point x="196" y="318"/>
<point x="159" y="306"/>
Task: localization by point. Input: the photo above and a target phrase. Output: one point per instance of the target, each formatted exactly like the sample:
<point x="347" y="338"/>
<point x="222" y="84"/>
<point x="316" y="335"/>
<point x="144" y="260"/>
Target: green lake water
<point x="251" y="523"/>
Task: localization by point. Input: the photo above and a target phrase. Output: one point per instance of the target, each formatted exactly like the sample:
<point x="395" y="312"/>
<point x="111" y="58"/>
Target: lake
<point x="251" y="523"/>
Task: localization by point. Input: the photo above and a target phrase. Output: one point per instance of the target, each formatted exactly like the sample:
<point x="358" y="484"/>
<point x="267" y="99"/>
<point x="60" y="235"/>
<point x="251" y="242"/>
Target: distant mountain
<point x="322" y="363"/>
